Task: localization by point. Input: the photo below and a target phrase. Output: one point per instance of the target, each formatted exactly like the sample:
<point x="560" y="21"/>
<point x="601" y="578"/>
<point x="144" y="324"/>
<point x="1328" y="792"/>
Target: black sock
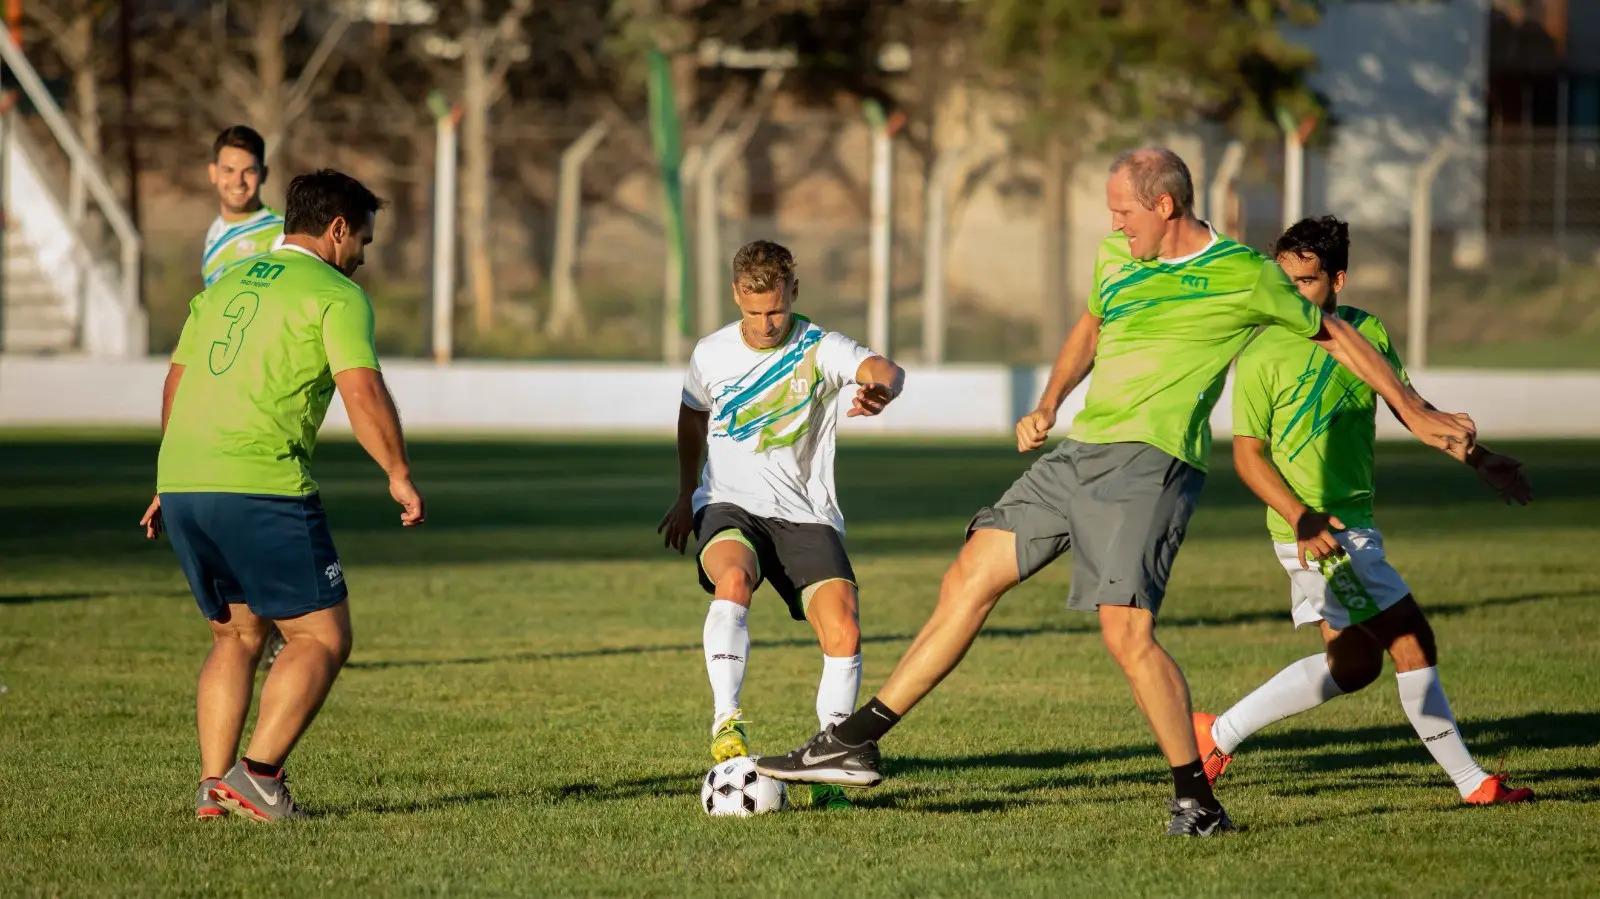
<point x="262" y="769"/>
<point x="868" y="724"/>
<point x="1189" y="782"/>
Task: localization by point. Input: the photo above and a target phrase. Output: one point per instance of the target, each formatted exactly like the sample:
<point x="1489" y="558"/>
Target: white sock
<point x="1303" y="685"/>
<point x="1423" y="698"/>
<point x="836" y="692"/>
<point x="727" y="641"/>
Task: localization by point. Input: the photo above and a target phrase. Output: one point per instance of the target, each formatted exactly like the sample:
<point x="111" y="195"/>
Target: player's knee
<point x="1129" y="635"/>
<point x="1412" y="652"/>
<point x="249" y="640"/>
<point x="843" y="638"/>
<point x="963" y="586"/>
<point x="735" y="585"/>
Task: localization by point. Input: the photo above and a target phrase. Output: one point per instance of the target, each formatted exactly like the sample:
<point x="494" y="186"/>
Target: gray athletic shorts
<point x="1122" y="508"/>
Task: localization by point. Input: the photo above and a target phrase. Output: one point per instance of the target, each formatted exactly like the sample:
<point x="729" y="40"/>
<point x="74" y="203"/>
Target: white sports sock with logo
<point x="727" y="642"/>
<point x="1423" y="698"/>
<point x="836" y="692"/>
<point x="1303" y="685"/>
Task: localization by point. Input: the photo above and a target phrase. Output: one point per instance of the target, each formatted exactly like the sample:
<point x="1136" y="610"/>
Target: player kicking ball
<point x="758" y="406"/>
<point x="1174" y="304"/>
<point x="1303" y="430"/>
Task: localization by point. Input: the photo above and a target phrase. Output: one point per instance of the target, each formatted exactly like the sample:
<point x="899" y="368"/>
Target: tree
<point x="1089" y="72"/>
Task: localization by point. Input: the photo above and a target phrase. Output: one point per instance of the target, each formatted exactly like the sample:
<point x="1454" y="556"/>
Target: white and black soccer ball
<point x="735" y="787"/>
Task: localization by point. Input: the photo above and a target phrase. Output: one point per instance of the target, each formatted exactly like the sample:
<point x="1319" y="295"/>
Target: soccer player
<point x="243" y="227"/>
<point x="260" y="356"/>
<point x="1174" y="303"/>
<point x="758" y="405"/>
<point x="1303" y="430"/>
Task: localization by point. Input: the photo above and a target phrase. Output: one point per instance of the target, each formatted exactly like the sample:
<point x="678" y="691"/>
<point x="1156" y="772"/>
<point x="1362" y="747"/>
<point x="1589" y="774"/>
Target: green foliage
<point x="525" y="712"/>
<point x="1108" y="69"/>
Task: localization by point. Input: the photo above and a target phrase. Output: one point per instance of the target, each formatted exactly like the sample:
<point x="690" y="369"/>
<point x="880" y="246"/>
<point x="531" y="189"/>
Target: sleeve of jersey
<point x="185" y="353"/>
<point x="840" y="358"/>
<point x="1385" y="345"/>
<point x="347" y="332"/>
<point x="1252" y="400"/>
<point x="1096" y="305"/>
<point x="695" y="395"/>
<point x="1275" y="302"/>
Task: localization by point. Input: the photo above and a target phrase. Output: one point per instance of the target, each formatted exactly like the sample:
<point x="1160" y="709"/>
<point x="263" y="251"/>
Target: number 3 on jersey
<point x="240" y="312"/>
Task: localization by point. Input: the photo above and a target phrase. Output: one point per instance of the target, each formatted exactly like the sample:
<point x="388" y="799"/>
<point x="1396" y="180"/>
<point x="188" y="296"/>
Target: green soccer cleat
<point x="829" y="797"/>
<point x="730" y="737"/>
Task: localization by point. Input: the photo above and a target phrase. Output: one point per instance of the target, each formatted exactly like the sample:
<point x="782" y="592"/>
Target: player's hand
<point x="411" y="506"/>
<point x="870" y="399"/>
<point x="678" y="523"/>
<point x="1452" y="433"/>
<point x="1034" y="428"/>
<point x="1313" y="537"/>
<point x="151" y="522"/>
<point x="1504" y="475"/>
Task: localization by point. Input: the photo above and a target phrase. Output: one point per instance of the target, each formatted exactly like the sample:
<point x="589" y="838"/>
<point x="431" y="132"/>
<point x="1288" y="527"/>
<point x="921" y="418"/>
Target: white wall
<point x="643" y="399"/>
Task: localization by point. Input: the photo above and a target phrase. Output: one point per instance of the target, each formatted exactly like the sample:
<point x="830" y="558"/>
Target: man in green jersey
<point x="260" y="356"/>
<point x="1174" y="303"/>
<point x="243" y="227"/>
<point x="1303" y="431"/>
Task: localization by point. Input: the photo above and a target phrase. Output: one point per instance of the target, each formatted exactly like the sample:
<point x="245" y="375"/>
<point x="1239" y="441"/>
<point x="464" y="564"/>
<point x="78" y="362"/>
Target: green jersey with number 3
<point x="259" y="350"/>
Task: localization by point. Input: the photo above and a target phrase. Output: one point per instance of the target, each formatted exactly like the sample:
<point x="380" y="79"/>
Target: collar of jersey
<point x="1179" y="260"/>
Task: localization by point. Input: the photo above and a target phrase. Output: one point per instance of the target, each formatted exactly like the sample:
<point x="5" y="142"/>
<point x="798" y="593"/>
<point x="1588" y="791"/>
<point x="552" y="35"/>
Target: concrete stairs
<point x="34" y="317"/>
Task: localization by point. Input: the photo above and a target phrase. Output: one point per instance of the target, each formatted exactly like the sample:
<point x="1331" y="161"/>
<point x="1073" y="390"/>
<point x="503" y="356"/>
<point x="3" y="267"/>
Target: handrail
<point x="81" y="161"/>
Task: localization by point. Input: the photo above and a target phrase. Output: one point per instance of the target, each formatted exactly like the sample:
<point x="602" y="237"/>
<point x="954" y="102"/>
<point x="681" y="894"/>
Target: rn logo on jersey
<point x="268" y="270"/>
<point x="1195" y="281"/>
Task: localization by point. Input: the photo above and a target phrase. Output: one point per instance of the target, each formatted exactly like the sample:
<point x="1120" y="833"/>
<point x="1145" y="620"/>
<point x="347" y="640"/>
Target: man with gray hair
<point x="1173" y="304"/>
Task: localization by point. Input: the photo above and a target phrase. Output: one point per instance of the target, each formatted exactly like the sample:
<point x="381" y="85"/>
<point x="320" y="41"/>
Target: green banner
<point x="667" y="135"/>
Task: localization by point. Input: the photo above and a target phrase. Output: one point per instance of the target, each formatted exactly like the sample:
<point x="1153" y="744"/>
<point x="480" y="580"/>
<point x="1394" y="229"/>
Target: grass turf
<point x="525" y="711"/>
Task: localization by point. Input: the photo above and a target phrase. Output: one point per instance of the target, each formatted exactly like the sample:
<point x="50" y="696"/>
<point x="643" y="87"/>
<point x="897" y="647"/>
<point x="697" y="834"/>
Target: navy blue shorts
<point x="273" y="553"/>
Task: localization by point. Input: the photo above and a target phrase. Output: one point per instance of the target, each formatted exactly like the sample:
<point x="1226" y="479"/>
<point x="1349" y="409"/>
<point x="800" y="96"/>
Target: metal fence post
<point x="1421" y="256"/>
<point x="444" y="227"/>
<point x="933" y="296"/>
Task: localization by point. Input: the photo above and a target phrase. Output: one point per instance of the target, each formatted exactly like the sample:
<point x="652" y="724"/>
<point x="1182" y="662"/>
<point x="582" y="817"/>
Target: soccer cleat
<point x="256" y="798"/>
<point x="1191" y="819"/>
<point x="824" y="759"/>
<point x="830" y="797"/>
<point x="206" y="808"/>
<point x="730" y="737"/>
<point x="269" y="651"/>
<point x="1212" y="759"/>
<point x="1493" y="791"/>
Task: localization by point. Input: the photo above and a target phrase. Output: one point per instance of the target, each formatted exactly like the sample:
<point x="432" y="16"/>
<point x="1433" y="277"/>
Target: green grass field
<point x="525" y="711"/>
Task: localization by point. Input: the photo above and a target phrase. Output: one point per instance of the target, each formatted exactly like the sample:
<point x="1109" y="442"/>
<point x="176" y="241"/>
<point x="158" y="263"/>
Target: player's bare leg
<point x="227" y="680"/>
<point x="316" y="646"/>
<point x="983" y="571"/>
<point x="732" y="568"/>
<point x="1158" y="684"/>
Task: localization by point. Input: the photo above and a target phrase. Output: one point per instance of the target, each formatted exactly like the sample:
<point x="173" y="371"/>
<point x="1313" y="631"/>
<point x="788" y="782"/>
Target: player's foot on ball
<point x="730" y="737"/>
<point x="1191" y="819"/>
<point x="1493" y="791"/>
<point x="1212" y="759"/>
<point x="256" y="798"/>
<point x="825" y="759"/>
<point x="830" y="797"/>
<point x="206" y="808"/>
<point x="269" y="651"/>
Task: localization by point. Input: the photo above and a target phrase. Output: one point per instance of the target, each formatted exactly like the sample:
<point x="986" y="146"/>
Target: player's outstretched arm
<point x="1452" y="433"/>
<point x="376" y="423"/>
<point x="678" y="523"/>
<point x="1500" y="473"/>
<point x="1313" y="530"/>
<point x="1072" y="365"/>
<point x="878" y="381"/>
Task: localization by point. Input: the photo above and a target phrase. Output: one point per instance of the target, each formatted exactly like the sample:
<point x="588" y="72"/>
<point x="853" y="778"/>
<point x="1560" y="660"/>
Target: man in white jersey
<point x="244" y="227"/>
<point x="758" y="399"/>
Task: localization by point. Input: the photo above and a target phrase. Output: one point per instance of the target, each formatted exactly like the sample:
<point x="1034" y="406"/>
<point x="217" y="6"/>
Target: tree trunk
<point x="266" y="107"/>
<point x="475" y="164"/>
<point x="1053" y="251"/>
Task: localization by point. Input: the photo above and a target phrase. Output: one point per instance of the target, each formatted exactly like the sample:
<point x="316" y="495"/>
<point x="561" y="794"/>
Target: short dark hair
<point x="1155" y="171"/>
<point x="242" y="137"/>
<point x="317" y="198"/>
<point x="762" y="266"/>
<point x="1326" y="238"/>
